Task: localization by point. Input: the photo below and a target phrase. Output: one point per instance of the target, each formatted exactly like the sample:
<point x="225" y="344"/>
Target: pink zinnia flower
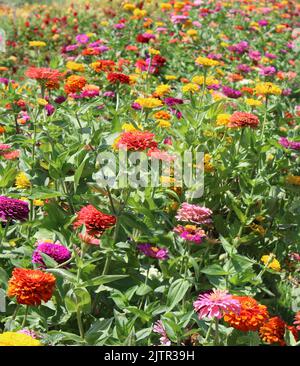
<point x="28" y="332"/>
<point x="215" y="304"/>
<point x="89" y="239"/>
<point x="194" y="213"/>
<point x="160" y="329"/>
<point x="297" y="320"/>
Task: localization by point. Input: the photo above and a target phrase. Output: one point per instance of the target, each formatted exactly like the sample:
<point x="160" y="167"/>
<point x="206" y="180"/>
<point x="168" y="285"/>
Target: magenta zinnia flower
<point x="194" y="213"/>
<point x="54" y="250"/>
<point x="13" y="209"/>
<point x="153" y="252"/>
<point x="215" y="304"/>
<point x="190" y="233"/>
<point x="295" y="145"/>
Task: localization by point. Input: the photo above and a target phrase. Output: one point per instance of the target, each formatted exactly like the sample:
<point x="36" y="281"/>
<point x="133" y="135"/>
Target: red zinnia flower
<point x="114" y="77"/>
<point x="136" y="140"/>
<point x="44" y="74"/>
<point x="251" y="317"/>
<point x="96" y="222"/>
<point x="30" y="286"/>
<point x="243" y="119"/>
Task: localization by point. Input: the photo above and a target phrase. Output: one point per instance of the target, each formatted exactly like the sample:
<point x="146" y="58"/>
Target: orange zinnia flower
<point x="243" y="119"/>
<point x="103" y="65"/>
<point x="74" y="84"/>
<point x="251" y="317"/>
<point x="30" y="286"/>
<point x="273" y="331"/>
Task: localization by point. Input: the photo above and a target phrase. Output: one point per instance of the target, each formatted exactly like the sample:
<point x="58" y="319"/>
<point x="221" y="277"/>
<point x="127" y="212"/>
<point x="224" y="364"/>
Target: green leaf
<point x="289" y="338"/>
<point x="140" y="313"/>
<point x="63" y="273"/>
<point x="49" y="262"/>
<point x="101" y="280"/>
<point x="214" y="270"/>
<point x="8" y="177"/>
<point x="78" y="299"/>
<point x="177" y="292"/>
<point x="78" y="173"/>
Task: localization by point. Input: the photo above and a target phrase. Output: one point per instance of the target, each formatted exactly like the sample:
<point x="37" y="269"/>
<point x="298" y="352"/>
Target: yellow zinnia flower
<point x="163" y="123"/>
<point x="74" y="66"/>
<point x="149" y="102"/>
<point x="267" y="88"/>
<point x="253" y="102"/>
<point x="17" y="339"/>
<point x="293" y="179"/>
<point x="207" y="62"/>
<point x="190" y="88"/>
<point x="170" y="77"/>
<point x="128" y="7"/>
<point x="22" y="181"/>
<point x="162" y="89"/>
<point x="210" y="80"/>
<point x="223" y="119"/>
<point x="42" y="102"/>
<point x="271" y="262"/>
<point x="38" y="203"/>
<point x="37" y="44"/>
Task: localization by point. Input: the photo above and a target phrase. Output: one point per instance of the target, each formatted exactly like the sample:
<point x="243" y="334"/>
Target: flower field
<point x="150" y="173"/>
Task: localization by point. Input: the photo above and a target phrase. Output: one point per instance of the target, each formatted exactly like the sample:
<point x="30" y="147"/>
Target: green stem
<point x="79" y="322"/>
<point x="13" y="318"/>
<point x="216" y="341"/>
<point x="4" y="234"/>
<point x="208" y="332"/>
<point x="25" y="316"/>
<point x="265" y="118"/>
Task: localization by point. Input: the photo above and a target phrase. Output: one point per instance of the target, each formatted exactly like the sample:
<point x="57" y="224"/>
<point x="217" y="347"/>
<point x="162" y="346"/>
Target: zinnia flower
<point x="75" y="83"/>
<point x="54" y="250"/>
<point x="96" y="222"/>
<point x="18" y="339"/>
<point x="294" y="145"/>
<point x="215" y="304"/>
<point x="271" y="261"/>
<point x="273" y="331"/>
<point x="267" y="89"/>
<point x="136" y="141"/>
<point x="153" y="252"/>
<point x="194" y="213"/>
<point x="243" y="119"/>
<point x="29" y="332"/>
<point x="22" y="181"/>
<point x="297" y="320"/>
<point x="44" y="75"/>
<point x="231" y="93"/>
<point x="30" y="286"/>
<point x="251" y="317"/>
<point x="149" y="103"/>
<point x="190" y="233"/>
<point x="160" y="329"/>
<point x="206" y="62"/>
<point x="13" y="209"/>
<point x="114" y="78"/>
